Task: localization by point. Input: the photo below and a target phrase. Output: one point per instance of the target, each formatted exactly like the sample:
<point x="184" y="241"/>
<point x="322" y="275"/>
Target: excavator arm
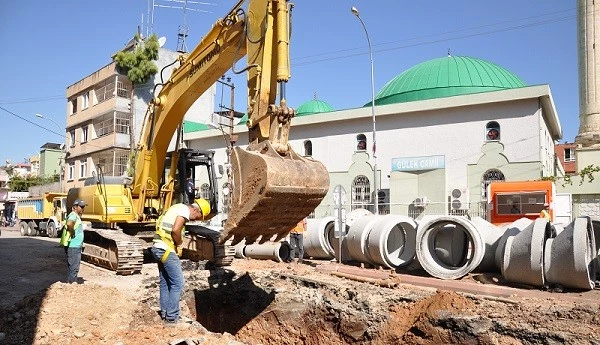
<point x="273" y="187"/>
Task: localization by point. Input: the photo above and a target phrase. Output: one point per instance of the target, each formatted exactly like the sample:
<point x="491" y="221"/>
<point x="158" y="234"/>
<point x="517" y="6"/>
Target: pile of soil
<point x="264" y="302"/>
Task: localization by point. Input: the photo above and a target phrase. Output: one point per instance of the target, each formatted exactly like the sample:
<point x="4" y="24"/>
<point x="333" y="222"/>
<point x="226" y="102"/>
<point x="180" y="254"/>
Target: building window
<point x="85" y="101"/>
<point x="104" y="127"/>
<point x="120" y="164"/>
<point x="72" y="138"/>
<point x="83" y="169"/>
<point x="205" y="191"/>
<point x="84" y="134"/>
<point x="492" y="131"/>
<point x="308" y="148"/>
<point x="570" y="155"/>
<point x="361" y="192"/>
<point x="488" y="177"/>
<point x="361" y="142"/>
<point x="71" y="170"/>
<point x="73" y="106"/>
<point x="122" y="123"/>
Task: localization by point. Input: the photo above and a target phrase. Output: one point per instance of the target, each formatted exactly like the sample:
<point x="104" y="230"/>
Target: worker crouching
<point x="170" y="230"/>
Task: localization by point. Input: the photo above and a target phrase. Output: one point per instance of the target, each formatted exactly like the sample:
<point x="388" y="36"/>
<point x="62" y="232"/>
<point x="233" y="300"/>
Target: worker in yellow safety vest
<point x="166" y="250"/>
<point x="545" y="213"/>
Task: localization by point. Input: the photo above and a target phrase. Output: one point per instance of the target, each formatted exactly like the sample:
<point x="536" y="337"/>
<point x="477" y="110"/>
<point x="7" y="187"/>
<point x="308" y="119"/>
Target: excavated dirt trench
<point x="299" y="306"/>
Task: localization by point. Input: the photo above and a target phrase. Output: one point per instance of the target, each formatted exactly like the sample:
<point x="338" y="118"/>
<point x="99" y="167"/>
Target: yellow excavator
<point x="273" y="188"/>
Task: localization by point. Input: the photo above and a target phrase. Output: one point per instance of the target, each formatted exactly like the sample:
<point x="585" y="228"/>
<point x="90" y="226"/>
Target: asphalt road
<point x="28" y="265"/>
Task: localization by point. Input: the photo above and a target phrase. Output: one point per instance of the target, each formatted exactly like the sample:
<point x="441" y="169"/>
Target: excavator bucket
<point x="271" y="193"/>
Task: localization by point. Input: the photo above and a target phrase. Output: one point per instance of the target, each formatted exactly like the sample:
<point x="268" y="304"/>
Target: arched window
<point x="205" y="191"/>
<point x="487" y="178"/>
<point x="361" y="142"/>
<point x="492" y="131"/>
<point x="307" y="148"/>
<point x="361" y="192"/>
<point x="226" y="196"/>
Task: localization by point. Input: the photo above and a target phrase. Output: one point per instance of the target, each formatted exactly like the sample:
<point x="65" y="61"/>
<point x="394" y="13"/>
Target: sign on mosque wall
<point x="418" y="163"/>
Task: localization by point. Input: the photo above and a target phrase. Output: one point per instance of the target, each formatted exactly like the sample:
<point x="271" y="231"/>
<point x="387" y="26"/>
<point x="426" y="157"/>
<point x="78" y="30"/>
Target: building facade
<point x="51" y="159"/>
<point x="566" y="154"/>
<point x="446" y="125"/>
<point x="105" y="113"/>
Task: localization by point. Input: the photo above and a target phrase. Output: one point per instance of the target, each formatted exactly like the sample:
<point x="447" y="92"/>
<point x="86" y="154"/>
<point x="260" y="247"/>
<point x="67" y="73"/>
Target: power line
<point x="32" y="100"/>
<point x="49" y="130"/>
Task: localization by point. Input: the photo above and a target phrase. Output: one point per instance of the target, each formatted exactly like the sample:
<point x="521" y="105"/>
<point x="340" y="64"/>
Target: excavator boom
<point x="273" y="187"/>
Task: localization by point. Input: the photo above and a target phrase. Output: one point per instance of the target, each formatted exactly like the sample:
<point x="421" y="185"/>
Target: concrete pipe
<point x="356" y="214"/>
<point x="523" y="260"/>
<point x="392" y="241"/>
<point x="449" y="247"/>
<point x="280" y="252"/>
<point x="596" y="228"/>
<point x="239" y="250"/>
<point x="357" y="238"/>
<point x="316" y="238"/>
<point x="508" y="231"/>
<point x="491" y="235"/>
<point x="569" y="258"/>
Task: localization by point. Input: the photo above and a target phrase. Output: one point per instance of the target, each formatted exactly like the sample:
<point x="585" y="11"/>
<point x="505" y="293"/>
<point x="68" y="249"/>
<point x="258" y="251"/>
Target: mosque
<point x="445" y="129"/>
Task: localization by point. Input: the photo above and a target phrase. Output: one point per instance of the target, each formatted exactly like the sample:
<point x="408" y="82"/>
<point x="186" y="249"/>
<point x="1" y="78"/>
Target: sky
<point x="49" y="45"/>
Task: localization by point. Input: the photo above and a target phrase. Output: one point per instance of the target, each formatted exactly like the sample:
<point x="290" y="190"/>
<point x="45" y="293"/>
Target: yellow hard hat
<point x="204" y="206"/>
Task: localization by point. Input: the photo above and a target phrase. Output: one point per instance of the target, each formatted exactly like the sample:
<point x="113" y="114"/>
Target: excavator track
<point x="114" y="250"/>
<point x="202" y="243"/>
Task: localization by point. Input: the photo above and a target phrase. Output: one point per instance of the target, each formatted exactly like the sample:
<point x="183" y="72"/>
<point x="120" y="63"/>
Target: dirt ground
<point x="264" y="302"/>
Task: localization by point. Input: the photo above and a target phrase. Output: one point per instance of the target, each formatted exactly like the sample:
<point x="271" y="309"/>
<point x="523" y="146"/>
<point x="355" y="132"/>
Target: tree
<point x="22" y="183"/>
<point x="585" y="173"/>
<point x="138" y="63"/>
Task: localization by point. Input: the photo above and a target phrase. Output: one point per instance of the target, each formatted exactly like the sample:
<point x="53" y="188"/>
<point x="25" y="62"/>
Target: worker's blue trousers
<point x="171" y="284"/>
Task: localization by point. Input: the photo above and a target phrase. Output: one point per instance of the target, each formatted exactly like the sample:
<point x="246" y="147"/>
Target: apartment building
<point x="51" y="158"/>
<point x="104" y="119"/>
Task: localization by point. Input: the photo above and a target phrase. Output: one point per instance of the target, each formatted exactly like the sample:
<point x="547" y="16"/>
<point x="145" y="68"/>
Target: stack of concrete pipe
<point x="538" y="253"/>
<point x="528" y="252"/>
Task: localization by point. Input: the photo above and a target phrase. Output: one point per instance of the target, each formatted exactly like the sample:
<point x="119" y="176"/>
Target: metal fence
<point x="408" y="209"/>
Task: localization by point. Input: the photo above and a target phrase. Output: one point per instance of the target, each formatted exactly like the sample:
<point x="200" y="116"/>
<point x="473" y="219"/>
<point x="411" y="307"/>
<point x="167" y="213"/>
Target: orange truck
<point x="511" y="200"/>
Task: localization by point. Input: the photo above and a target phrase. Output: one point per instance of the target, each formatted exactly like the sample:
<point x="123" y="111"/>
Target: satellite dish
<point x="162" y="41"/>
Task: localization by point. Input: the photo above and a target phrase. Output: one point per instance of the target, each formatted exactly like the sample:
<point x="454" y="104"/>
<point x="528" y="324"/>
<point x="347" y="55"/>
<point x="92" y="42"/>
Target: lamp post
<point x="375" y="185"/>
<point x="61" y="158"/>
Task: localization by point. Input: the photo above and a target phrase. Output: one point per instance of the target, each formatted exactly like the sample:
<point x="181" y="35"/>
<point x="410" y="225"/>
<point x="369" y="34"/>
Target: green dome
<point x="243" y="120"/>
<point x="313" y="107"/>
<point x="190" y="126"/>
<point x="444" y="77"/>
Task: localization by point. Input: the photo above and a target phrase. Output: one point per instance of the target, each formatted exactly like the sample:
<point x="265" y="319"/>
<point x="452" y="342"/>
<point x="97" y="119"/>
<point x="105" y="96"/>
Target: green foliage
<point x="585" y="173"/>
<point x="138" y="64"/>
<point x="22" y="183"/>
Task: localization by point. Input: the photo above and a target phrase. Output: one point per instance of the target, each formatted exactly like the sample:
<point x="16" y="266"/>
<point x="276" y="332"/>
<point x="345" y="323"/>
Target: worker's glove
<point x="179" y="251"/>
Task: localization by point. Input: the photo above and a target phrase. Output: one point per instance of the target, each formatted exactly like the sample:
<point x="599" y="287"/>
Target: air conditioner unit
<point x="421" y="201"/>
<point x="459" y="199"/>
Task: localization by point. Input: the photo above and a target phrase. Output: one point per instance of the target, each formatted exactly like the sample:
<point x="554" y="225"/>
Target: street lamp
<point x="375" y="186"/>
<point x="61" y="158"/>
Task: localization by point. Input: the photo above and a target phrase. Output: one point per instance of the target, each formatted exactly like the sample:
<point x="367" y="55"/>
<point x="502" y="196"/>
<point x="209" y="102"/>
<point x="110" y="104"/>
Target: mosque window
<point x="488" y="177"/>
<point x="205" y="191"/>
<point x="361" y="142"/>
<point x="492" y="131"/>
<point x="361" y="192"/>
<point x="307" y="148"/>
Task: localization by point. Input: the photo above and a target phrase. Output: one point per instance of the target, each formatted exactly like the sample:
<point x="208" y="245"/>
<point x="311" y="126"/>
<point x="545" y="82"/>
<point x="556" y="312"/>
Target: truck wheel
<point x="51" y="230"/>
<point x="23" y="227"/>
<point x="31" y="231"/>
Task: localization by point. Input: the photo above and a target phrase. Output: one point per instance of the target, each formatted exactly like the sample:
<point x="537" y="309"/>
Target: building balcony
<point x="118" y="104"/>
<point x="104" y="142"/>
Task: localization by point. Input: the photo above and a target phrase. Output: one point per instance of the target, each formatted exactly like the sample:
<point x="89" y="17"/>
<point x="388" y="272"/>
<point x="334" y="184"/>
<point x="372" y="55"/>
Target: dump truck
<point x="42" y="215"/>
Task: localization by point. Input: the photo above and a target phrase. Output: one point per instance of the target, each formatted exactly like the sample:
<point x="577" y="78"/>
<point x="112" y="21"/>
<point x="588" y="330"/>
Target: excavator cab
<point x="197" y="165"/>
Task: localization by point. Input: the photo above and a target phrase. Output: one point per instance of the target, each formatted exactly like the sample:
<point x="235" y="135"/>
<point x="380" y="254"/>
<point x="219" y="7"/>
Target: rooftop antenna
<point x="184" y="5"/>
